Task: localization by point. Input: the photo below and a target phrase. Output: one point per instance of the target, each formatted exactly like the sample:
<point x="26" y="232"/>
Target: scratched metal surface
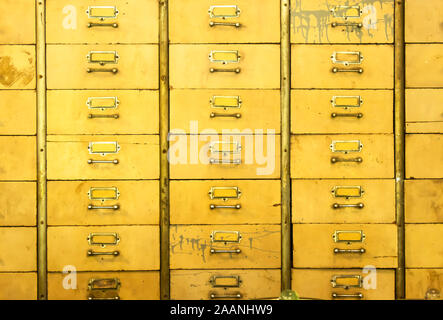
<point x="190" y="247"/>
<point x="311" y="22"/>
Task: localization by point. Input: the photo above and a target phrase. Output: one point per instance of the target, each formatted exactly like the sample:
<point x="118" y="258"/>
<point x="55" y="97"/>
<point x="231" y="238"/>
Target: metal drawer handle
<point x="91" y="25"/>
<point x="229" y="24"/>
<point x="235" y="70"/>
<point x="91" y="70"/>
<point x="230" y="115"/>
<point x="92" y="207"/>
<point x="224" y="161"/>
<point x="361" y="250"/>
<point x="337" y="295"/>
<point x="347" y="24"/>
<point x="337" y="159"/>
<point x="340" y="205"/>
<point x="358" y="70"/>
<point x="96" y="116"/>
<point x="91" y="161"/>
<point x="356" y="115"/>
<point x="237" y="295"/>
<point x="92" y="253"/>
<point x="213" y="206"/>
<point x="91" y="297"/>
<point x="213" y="251"/>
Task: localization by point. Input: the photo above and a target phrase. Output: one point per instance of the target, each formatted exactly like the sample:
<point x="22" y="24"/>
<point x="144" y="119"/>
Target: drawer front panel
<point x="17" y="67"/>
<point x="18" y="286"/>
<point x="18" y="112"/>
<point x="344" y="246"/>
<point x="69" y="157"/>
<point x="18" y="203"/>
<point x="342" y="21"/>
<point x="232" y="246"/>
<point x="338" y="156"/>
<point x="102" y="112"/>
<point x="237" y="157"/>
<point x="102" y="21"/>
<point x="313" y="66"/>
<point x="18" y="249"/>
<point x="125" y="67"/>
<point x="225" y="284"/>
<point x="424" y="284"/>
<point x="104" y="248"/>
<point x="424" y="156"/>
<point x="18" y="161"/>
<point x="342" y="284"/>
<point x="423" y="201"/>
<point x="103" y="202"/>
<point x="17" y="21"/>
<point x="423" y="65"/>
<point x="341" y="111"/>
<point x="424" y="248"/>
<point x="246" y="66"/>
<point x="343" y="201"/>
<point x="224" y="202"/>
<point x="104" y="286"/>
<point x="240" y="21"/>
<point x="225" y="110"/>
<point x="423" y="21"/>
<point x="423" y="111"/>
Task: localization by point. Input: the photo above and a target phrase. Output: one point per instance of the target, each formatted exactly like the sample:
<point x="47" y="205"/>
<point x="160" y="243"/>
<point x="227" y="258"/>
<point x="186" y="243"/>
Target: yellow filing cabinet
<point x="240" y="21"/>
<point x="225" y="284"/>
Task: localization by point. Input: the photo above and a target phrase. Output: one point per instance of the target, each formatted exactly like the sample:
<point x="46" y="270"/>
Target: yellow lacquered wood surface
<point x="18" y="203"/>
<point x="18" y="249"/>
<point x="17" y="21"/>
<point x="18" y="286"/>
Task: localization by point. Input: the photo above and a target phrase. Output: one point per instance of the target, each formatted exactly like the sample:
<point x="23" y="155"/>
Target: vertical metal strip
<point x="164" y="145"/>
<point x="41" y="151"/>
<point x="399" y="129"/>
<point x="285" y="74"/>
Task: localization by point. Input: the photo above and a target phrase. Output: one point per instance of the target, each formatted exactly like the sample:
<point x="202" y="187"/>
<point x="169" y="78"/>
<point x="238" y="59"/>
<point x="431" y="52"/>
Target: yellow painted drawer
<point x="424" y="156"/>
<point x="18" y="249"/>
<point x="225" y="246"/>
<point x="241" y="21"/>
<point x="104" y="286"/>
<point x="424" y="247"/>
<point x="17" y="21"/>
<point x="423" y="65"/>
<point x="224" y="202"/>
<point x="423" y="111"/>
<point x="18" y="112"/>
<point x="342" y="21"/>
<point x="338" y="156"/>
<point x="117" y="21"/>
<point x="18" y="203"/>
<point x="424" y="284"/>
<point x="225" y="109"/>
<point x="102" y="112"/>
<point x="340" y="284"/>
<point x="225" y="66"/>
<point x="343" y="201"/>
<point x="104" y="248"/>
<point x="225" y="284"/>
<point x="125" y="66"/>
<point x="344" y="246"/>
<point x="18" y="286"/>
<point x="224" y="157"/>
<point x="341" y="111"/>
<point x="423" y="21"/>
<point x="123" y="157"/>
<point x="17" y="67"/>
<point x="423" y="201"/>
<point x="103" y="202"/>
<point x="313" y="66"/>
<point x="18" y="160"/>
